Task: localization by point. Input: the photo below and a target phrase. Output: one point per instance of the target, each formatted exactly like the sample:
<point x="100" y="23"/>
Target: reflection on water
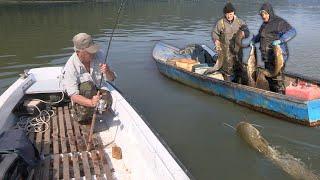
<point x="35" y="35"/>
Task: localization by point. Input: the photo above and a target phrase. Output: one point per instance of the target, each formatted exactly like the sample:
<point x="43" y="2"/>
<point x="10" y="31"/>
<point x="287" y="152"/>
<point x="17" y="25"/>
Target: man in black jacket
<point x="273" y="31"/>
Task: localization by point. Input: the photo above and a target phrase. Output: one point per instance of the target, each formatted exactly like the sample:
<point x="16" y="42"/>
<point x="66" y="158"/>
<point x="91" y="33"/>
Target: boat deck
<point x="64" y="147"/>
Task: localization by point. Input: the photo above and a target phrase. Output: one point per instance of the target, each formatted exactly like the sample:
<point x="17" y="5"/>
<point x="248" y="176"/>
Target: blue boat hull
<point x="288" y="108"/>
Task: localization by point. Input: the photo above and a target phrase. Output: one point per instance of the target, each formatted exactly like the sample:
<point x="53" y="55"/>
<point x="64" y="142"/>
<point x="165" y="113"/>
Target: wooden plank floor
<point x="64" y="148"/>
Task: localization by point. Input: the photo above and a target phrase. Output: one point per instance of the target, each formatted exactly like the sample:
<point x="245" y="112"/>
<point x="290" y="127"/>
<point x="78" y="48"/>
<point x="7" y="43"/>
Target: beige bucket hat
<point x="83" y="41"/>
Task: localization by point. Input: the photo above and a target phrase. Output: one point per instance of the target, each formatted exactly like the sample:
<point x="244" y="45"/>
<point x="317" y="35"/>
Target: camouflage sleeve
<point x="216" y="31"/>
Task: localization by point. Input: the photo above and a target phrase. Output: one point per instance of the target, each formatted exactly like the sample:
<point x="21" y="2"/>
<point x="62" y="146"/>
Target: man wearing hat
<point x="224" y="33"/>
<point x="273" y="31"/>
<point x="82" y="75"/>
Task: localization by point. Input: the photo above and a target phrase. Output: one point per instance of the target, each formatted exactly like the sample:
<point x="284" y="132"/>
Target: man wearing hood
<point x="224" y="32"/>
<point x="273" y="31"/>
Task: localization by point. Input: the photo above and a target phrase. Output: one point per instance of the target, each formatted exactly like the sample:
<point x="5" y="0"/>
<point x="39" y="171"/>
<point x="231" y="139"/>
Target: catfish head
<point x="253" y="137"/>
<point x="236" y="41"/>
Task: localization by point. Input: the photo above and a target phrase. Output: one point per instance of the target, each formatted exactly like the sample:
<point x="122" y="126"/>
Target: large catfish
<point x="238" y="37"/>
<point x="286" y="162"/>
<point x="222" y="55"/>
<point x="262" y="82"/>
<point x="252" y="67"/>
<point x="279" y="62"/>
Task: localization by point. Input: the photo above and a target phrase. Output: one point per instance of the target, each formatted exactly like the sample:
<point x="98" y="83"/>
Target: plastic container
<point x="199" y="66"/>
<point x="200" y="70"/>
<point x="186" y="63"/>
<point x="303" y="91"/>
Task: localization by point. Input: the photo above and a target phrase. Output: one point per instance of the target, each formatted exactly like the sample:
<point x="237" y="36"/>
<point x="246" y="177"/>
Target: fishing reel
<point x="102" y="105"/>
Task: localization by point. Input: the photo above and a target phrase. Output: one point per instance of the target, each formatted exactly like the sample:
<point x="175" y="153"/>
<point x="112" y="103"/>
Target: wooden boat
<point x="279" y="105"/>
<point x="143" y="154"/>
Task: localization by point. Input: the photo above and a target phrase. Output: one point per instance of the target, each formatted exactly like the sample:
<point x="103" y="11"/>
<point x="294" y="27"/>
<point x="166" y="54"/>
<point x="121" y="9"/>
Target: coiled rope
<point x="47" y="102"/>
<point x="40" y="123"/>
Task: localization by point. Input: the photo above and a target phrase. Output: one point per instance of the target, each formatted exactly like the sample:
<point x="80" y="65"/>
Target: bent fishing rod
<point x="111" y="36"/>
<point x="100" y="104"/>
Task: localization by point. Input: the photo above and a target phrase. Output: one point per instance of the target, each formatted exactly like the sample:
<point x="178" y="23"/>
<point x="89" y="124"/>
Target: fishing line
<point x="51" y="103"/>
<point x="257" y="126"/>
<point x="230" y="126"/>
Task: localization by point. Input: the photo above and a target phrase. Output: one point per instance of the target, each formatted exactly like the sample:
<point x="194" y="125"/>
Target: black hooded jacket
<point x="275" y="29"/>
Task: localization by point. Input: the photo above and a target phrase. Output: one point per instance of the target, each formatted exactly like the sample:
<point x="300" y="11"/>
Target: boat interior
<point x="123" y="145"/>
<point x="61" y="141"/>
<point x="197" y="62"/>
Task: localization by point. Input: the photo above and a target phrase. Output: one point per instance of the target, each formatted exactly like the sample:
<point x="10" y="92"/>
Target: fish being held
<point x="279" y="62"/>
<point x="222" y="55"/>
<point x="286" y="162"/>
<point x="238" y="37"/>
<point x="252" y="67"/>
<point x="217" y="66"/>
<point x="262" y="82"/>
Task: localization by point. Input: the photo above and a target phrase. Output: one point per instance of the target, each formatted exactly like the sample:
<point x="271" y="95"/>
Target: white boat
<point x="144" y="154"/>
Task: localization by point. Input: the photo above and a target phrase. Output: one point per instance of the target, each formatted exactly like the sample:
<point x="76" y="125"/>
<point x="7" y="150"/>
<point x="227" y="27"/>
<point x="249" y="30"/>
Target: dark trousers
<point x="276" y="84"/>
<point x="239" y="76"/>
<point x="233" y="68"/>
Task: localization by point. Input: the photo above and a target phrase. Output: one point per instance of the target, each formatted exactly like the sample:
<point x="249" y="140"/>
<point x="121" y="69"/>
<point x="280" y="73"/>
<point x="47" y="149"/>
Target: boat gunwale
<point x="258" y="108"/>
<point x="155" y="132"/>
<point x="240" y="86"/>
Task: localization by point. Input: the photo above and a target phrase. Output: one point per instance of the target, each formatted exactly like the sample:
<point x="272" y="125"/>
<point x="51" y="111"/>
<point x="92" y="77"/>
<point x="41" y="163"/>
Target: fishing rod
<point x="114" y="28"/>
<point x="101" y="104"/>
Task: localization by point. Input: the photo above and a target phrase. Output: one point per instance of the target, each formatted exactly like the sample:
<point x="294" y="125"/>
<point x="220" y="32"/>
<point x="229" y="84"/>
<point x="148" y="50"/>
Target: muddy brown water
<point x="190" y="121"/>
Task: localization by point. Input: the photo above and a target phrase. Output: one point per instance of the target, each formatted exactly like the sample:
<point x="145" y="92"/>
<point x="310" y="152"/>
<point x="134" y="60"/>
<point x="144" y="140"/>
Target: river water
<point x="190" y="121"/>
